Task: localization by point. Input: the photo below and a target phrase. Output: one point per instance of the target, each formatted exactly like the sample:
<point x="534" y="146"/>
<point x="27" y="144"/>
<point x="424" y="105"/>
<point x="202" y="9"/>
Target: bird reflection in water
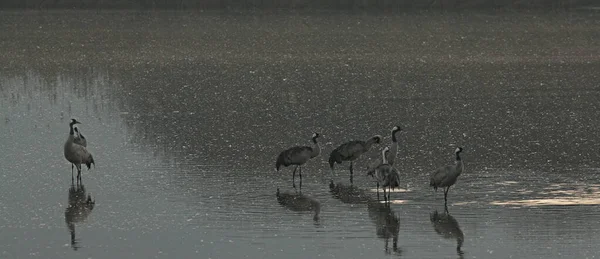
<point x="348" y="193"/>
<point x="78" y="210"/>
<point x="447" y="227"/>
<point x="299" y="202"/>
<point x="387" y="224"/>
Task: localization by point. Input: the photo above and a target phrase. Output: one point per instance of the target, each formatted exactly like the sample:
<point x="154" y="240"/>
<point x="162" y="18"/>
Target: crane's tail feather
<point x="90" y="162"/>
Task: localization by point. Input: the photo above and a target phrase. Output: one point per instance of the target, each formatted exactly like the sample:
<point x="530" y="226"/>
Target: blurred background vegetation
<point x="383" y="5"/>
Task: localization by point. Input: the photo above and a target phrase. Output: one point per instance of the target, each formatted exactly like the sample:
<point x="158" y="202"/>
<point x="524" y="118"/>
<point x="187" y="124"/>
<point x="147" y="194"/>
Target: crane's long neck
<point x="71" y="131"/>
<point x="316" y="150"/>
<point x="393" y="150"/>
<point x="459" y="163"/>
<point x="383" y="158"/>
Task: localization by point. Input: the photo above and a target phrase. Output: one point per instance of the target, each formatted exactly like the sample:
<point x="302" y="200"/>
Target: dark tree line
<point x="295" y="4"/>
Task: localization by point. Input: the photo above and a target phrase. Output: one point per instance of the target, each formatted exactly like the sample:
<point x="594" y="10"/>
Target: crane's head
<point x="74" y="121"/>
<point x="396" y="129"/>
<point x="458" y="150"/>
<point x="315" y="136"/>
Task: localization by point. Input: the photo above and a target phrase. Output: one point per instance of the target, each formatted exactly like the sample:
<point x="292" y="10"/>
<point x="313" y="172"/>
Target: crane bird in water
<point x="298" y="156"/>
<point x="446" y="176"/>
<point x="386" y="176"/>
<point x="75" y="153"/>
<point x="391" y="155"/>
<point x="350" y="151"/>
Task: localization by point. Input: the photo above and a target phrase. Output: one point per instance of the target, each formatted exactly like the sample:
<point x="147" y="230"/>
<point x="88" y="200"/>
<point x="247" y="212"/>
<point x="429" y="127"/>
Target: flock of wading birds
<point x="382" y="169"/>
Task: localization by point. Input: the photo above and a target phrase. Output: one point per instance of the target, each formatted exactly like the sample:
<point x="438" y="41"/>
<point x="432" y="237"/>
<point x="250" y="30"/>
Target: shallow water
<point x="185" y="114"/>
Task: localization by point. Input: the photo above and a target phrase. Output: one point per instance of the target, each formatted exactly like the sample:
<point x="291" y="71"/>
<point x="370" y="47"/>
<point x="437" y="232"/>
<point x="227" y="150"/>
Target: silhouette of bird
<point x="298" y="156"/>
<point x="299" y="202"/>
<point x="447" y="226"/>
<point x="446" y="176"/>
<point x="391" y="157"/>
<point x="76" y="154"/>
<point x="351" y="151"/>
<point x="386" y="176"/>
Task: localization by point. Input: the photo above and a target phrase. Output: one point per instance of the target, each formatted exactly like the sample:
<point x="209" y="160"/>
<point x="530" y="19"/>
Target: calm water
<point x="185" y="114"/>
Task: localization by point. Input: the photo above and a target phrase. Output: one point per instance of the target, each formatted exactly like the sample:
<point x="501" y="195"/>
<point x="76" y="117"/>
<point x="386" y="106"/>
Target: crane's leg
<point x="446" y="195"/>
<point x="384" y="195"/>
<point x="78" y="173"/>
<point x="377" y="190"/>
<point x="294" y="177"/>
<point x="300" y="178"/>
<point x="351" y="173"/>
<point x="71" y="172"/>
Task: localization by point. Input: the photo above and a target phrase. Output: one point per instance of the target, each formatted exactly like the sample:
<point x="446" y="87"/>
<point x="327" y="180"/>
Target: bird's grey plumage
<point x="391" y="157"/>
<point x="299" y="202"/>
<point x="447" y="226"/>
<point x="77" y="154"/>
<point x="446" y="176"/>
<point x="79" y="138"/>
<point x="298" y="156"/>
<point x="350" y="151"/>
<point x="386" y="175"/>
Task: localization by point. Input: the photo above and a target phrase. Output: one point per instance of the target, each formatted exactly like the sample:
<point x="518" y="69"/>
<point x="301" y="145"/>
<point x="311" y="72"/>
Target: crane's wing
<point x="349" y="149"/>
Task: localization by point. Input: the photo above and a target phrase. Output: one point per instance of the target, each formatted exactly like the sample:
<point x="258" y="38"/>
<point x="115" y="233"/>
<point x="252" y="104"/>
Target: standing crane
<point x="298" y="156"/>
<point x="350" y="151"/>
<point x="391" y="157"/>
<point x="446" y="176"/>
<point x="76" y="154"/>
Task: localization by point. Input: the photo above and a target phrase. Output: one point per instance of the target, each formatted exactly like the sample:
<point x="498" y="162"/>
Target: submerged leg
<point x="351" y="173"/>
<point x="294" y="177"/>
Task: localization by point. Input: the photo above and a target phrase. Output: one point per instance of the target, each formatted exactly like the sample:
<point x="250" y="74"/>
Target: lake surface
<point x="185" y="113"/>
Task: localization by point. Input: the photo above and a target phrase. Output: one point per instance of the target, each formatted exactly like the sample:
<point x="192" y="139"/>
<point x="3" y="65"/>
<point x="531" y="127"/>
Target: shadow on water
<point x="446" y="226"/>
<point x="387" y="224"/>
<point x="299" y="202"/>
<point x="80" y="207"/>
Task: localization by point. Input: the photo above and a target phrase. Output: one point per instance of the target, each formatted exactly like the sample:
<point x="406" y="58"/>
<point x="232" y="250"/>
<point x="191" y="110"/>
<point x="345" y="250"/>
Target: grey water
<point x="186" y="112"/>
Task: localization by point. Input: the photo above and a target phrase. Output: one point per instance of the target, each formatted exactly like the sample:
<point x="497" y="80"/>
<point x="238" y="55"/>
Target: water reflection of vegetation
<point x="80" y="207"/>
